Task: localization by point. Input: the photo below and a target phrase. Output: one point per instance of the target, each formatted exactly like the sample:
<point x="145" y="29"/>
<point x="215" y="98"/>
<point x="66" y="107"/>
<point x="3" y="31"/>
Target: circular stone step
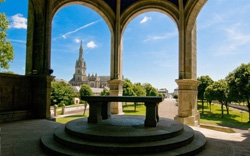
<point x="114" y="147"/>
<point x="124" y="129"/>
<point x="54" y="148"/>
<point x="78" y="137"/>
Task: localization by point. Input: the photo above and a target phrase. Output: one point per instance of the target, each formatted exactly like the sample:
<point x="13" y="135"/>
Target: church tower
<point x="80" y="68"/>
<point x="80" y="76"/>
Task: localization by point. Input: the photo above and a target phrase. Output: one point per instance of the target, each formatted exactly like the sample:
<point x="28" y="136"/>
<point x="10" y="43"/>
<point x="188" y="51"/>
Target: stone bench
<point x="99" y="107"/>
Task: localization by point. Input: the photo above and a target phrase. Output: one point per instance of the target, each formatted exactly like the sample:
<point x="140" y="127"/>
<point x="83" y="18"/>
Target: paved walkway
<point x="22" y="138"/>
<point x="218" y="143"/>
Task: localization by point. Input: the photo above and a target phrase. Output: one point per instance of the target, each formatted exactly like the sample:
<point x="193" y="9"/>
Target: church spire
<point x="80" y="52"/>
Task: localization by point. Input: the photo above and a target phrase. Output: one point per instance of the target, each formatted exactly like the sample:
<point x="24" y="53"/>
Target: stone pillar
<point x="63" y="109"/>
<point x="187" y="99"/>
<point x="55" y="110"/>
<point x="116" y="90"/>
<point x="41" y="90"/>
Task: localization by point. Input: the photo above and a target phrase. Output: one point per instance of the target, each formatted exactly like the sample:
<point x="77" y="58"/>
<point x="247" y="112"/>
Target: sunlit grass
<point x="129" y="109"/>
<point x="66" y="119"/>
<point x="235" y="119"/>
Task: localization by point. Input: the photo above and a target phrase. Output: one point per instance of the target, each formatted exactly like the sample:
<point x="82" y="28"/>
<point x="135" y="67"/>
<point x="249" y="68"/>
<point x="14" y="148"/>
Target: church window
<point x="92" y="85"/>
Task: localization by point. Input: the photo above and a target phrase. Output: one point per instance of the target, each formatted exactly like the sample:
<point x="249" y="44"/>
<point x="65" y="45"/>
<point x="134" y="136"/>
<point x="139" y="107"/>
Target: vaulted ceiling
<point x="126" y="3"/>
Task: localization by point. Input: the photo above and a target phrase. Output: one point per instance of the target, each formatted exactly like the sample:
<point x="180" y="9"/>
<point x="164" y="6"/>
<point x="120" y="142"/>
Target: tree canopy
<point x="218" y="91"/>
<point x="128" y="88"/>
<point x="239" y="84"/>
<point x="86" y="90"/>
<point x="105" y="92"/>
<point x="205" y="81"/>
<point x="6" y="49"/>
<point x="62" y="93"/>
<point x="150" y="90"/>
<point x="139" y="89"/>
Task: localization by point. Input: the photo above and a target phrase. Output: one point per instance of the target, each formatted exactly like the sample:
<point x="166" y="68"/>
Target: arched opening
<point x="77" y="25"/>
<point x="150" y="50"/>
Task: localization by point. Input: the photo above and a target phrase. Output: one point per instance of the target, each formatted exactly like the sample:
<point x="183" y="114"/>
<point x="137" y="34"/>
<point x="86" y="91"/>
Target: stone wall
<point x="15" y="97"/>
<point x="67" y="110"/>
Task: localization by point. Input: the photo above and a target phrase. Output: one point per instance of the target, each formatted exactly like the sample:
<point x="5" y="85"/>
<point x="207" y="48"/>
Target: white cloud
<point x="145" y="19"/>
<point x="77" y="40"/>
<point x="91" y="44"/>
<point x="211" y="21"/>
<point x="240" y="38"/>
<point x="19" y="41"/>
<point x="162" y="37"/>
<point x="76" y="30"/>
<point x="235" y="40"/>
<point x="18" y="21"/>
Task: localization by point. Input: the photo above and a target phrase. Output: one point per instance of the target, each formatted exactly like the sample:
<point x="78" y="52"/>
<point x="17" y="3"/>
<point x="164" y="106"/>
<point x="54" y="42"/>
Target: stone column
<point x="187" y="100"/>
<point x="41" y="89"/>
<point x="116" y="90"/>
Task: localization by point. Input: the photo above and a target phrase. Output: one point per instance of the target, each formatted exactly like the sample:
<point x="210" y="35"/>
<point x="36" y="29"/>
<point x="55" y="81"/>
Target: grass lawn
<point x="129" y="109"/>
<point x="71" y="117"/>
<point x="235" y="119"/>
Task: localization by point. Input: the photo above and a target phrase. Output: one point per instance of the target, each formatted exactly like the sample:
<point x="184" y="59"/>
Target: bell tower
<point x="80" y="67"/>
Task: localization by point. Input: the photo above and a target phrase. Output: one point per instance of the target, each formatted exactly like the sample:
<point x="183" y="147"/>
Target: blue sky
<point x="150" y="42"/>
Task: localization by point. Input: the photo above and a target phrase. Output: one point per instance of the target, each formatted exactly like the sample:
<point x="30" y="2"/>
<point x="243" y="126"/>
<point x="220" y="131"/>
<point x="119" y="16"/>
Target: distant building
<point x="163" y="91"/>
<point x="175" y="91"/>
<point x="96" y="91"/>
<point x="80" y="77"/>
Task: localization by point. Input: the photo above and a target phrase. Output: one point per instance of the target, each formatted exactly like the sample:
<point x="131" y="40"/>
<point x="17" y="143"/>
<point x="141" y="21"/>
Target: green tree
<point x="219" y="91"/>
<point x="128" y="88"/>
<point x="139" y="89"/>
<point x="85" y="91"/>
<point x="233" y="91"/>
<point x="105" y="92"/>
<point x="175" y="96"/>
<point x="239" y="84"/>
<point x="209" y="96"/>
<point x="62" y="93"/>
<point x="6" y="49"/>
<point x="204" y="82"/>
<point x="150" y="90"/>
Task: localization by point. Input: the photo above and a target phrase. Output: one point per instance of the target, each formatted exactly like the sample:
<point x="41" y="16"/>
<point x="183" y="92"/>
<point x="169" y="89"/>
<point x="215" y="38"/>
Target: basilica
<point x="80" y="77"/>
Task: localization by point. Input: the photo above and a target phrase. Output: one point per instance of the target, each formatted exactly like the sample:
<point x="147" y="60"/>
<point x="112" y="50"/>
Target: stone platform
<point x="23" y="137"/>
<point x="121" y="135"/>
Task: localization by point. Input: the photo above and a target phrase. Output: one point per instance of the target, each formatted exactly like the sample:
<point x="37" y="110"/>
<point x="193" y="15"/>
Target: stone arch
<point x="140" y="7"/>
<point x="164" y="7"/>
<point x="190" y="32"/>
<point x="99" y="6"/>
<point x="117" y="14"/>
<point x="40" y="18"/>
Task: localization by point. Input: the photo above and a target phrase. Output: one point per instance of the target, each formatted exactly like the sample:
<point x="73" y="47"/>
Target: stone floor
<point x="22" y="138"/>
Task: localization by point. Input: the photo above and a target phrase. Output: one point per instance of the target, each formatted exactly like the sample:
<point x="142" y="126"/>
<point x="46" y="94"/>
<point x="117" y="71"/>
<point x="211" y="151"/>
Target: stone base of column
<point x="187" y="100"/>
<point x="116" y="90"/>
<point x="116" y="108"/>
<point x="190" y="120"/>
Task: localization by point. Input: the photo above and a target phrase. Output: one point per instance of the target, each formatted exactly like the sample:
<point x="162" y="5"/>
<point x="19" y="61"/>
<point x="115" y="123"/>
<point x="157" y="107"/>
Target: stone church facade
<point x="80" y="77"/>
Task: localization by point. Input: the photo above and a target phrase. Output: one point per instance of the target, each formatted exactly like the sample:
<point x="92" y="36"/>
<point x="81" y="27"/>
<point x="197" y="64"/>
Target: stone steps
<point x="124" y="129"/>
<point x="123" y="135"/>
